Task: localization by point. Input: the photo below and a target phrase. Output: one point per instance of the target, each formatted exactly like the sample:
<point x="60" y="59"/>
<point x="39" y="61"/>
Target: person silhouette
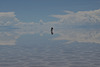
<point x="52" y="30"/>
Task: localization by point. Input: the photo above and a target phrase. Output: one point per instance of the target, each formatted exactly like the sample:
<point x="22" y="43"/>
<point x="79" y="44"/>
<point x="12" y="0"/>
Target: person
<point x="52" y="30"/>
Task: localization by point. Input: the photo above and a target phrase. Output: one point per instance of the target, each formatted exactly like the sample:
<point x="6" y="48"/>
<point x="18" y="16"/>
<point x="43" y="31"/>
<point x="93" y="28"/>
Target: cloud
<point x="8" y="18"/>
<point x="81" y="26"/>
<point x="10" y="14"/>
<point x="80" y="17"/>
<point x="69" y="12"/>
<point x="11" y="28"/>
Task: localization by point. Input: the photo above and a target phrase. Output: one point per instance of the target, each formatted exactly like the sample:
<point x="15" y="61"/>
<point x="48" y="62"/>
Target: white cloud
<point x="10" y="14"/>
<point x="12" y="42"/>
<point x="8" y="18"/>
<point x="69" y="12"/>
<point x="80" y="17"/>
<point x="82" y="26"/>
<point x="80" y="36"/>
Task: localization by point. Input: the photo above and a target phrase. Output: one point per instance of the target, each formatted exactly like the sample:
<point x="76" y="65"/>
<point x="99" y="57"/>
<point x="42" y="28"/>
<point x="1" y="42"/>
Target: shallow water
<point x="41" y="51"/>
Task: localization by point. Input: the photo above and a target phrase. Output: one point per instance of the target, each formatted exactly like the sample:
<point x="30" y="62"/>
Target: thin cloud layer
<point x="81" y="26"/>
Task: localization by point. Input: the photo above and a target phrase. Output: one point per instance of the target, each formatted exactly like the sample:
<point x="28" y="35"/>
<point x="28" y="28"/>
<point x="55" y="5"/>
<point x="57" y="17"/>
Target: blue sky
<point x="73" y="20"/>
<point x="34" y="10"/>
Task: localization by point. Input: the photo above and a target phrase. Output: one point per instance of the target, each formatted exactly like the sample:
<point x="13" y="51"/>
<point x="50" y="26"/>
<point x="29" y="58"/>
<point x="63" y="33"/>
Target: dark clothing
<point x="52" y="30"/>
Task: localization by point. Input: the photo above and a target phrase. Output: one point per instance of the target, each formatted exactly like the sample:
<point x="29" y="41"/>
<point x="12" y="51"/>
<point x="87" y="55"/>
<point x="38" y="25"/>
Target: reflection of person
<point x="52" y="30"/>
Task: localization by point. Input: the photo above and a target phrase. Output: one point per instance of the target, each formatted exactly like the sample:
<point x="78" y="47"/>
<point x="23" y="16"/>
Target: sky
<point x="35" y="10"/>
<point x="73" y="20"/>
<point x="26" y="39"/>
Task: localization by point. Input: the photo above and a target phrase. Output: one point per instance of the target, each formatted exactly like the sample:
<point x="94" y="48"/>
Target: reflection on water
<point x="32" y="45"/>
<point x="20" y="47"/>
<point x="41" y="51"/>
